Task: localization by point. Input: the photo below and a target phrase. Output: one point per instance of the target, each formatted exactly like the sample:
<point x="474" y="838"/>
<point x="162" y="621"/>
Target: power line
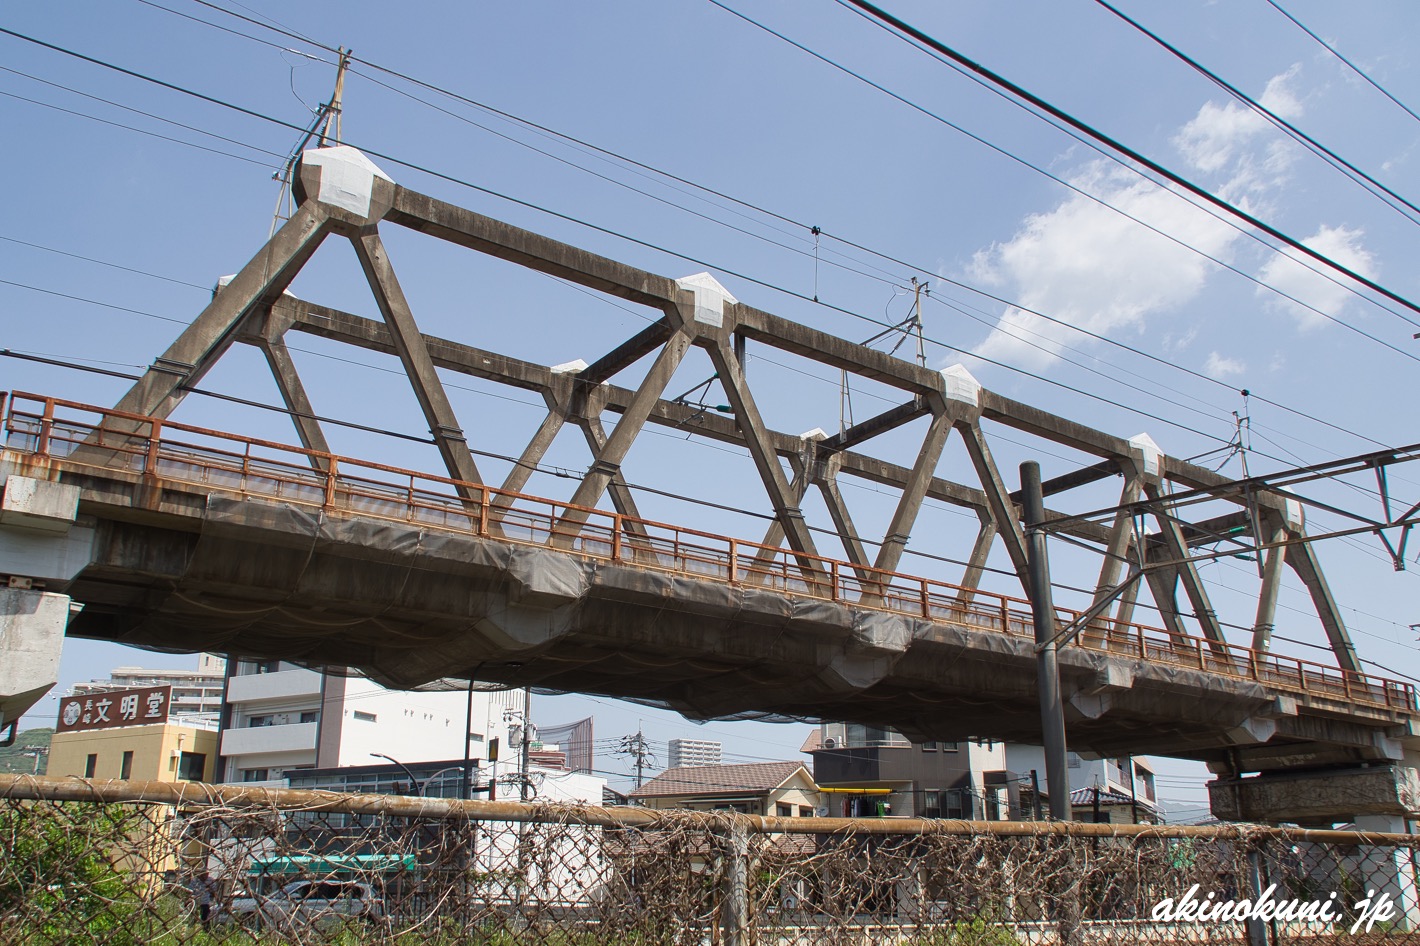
<point x="1351" y="65"/>
<point x="90" y="259"/>
<point x="544" y="130"/>
<point x="817" y="231"/>
<point x="617" y="234"/>
<point x="1085" y="194"/>
<point x="134" y="128"/>
<point x="139" y="111"/>
<point x="1369" y="183"/>
<point x="1133" y="155"/>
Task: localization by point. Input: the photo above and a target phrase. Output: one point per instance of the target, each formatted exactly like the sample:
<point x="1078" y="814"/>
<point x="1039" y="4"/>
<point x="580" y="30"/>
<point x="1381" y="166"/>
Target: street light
<point x="418" y="790"/>
<point x="448" y="768"/>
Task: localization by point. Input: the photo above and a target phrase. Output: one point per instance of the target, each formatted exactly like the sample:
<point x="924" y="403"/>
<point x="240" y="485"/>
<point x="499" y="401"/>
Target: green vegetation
<point x="13" y="760"/>
<point x="54" y="872"/>
<point x="974" y="932"/>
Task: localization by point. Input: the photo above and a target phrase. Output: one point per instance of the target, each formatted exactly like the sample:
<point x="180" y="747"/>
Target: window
<point x="125" y="768"/>
<point x="90" y="765"/>
<point x="932" y="804"/>
<point x="784" y="811"/>
<point x="192" y="766"/>
<point x="364" y="717"/>
<point x="254" y="775"/>
<point x="267" y="666"/>
<point x="929" y="746"/>
<point x="806" y="811"/>
<point x="310" y="716"/>
<point x="256" y="721"/>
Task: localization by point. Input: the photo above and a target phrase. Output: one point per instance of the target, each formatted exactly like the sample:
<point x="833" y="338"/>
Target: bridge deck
<point x="78" y="437"/>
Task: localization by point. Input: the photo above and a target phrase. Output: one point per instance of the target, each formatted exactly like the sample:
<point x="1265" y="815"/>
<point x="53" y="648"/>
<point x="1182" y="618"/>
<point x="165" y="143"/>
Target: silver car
<point x="305" y="903"/>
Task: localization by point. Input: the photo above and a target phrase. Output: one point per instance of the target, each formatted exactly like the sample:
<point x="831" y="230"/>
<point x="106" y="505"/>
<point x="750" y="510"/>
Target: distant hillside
<point x="13" y="761"/>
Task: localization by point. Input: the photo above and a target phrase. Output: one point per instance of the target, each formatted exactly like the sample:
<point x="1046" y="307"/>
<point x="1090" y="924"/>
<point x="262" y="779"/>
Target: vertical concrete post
<point x="1052" y="710"/>
<point x="1256" y="927"/>
<point x="1391" y="870"/>
<point x="735" y="911"/>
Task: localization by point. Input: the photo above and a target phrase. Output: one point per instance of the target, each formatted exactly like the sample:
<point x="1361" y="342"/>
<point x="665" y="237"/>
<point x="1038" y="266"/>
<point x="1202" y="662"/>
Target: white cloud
<point x="1331" y="296"/>
<point x="1089" y="266"/>
<point x="1092" y="267"/>
<point x="1174" y="342"/>
<point x="1220" y="367"/>
<point x="1233" y="141"/>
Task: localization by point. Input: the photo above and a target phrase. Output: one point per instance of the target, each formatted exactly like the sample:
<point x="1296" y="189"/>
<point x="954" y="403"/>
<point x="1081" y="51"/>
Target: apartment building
<point x="281" y="717"/>
<point x="194" y="692"/>
<point x="686" y="752"/>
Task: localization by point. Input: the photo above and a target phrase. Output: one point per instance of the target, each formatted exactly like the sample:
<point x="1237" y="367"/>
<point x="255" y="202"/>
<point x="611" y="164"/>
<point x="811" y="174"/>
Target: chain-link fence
<point x="120" y="863"/>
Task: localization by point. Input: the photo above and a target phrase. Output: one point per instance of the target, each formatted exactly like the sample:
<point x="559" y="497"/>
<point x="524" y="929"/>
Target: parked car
<point x="303" y="903"/>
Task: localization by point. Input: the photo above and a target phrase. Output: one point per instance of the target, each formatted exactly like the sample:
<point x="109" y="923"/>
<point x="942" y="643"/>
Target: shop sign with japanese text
<point x="112" y="708"/>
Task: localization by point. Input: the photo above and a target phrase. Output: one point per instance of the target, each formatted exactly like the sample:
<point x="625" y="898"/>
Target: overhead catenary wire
<point x="1155" y="167"/>
<point x="534" y="405"/>
<point x="614" y="233"/>
<point x="1349" y="64"/>
<point x="1107" y="340"/>
<point x="134" y="128"/>
<point x="816" y="231"/>
<point x="1081" y="192"/>
<point x="1368" y="183"/>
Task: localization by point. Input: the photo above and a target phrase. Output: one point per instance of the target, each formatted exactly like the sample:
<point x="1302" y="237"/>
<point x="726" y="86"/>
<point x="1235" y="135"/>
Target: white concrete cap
<point x="575" y="366"/>
<point x="223" y="281"/>
<point x="818" y="433"/>
<point x="959" y="385"/>
<point x="1153" y="456"/>
<point x="347" y="177"/>
<point x="1296" y="513"/>
<point x="710" y="298"/>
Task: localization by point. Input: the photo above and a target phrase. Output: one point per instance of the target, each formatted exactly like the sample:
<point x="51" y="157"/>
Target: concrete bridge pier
<point x="41" y="544"/>
<point x="1390" y="871"/>
<point x="1383" y="798"/>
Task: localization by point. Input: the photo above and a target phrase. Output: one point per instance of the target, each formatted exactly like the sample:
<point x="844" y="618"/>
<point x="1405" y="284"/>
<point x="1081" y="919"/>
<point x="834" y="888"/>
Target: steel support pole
<point x="1052" y="710"/>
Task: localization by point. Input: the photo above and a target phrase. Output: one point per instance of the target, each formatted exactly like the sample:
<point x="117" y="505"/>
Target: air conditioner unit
<point x="830" y="743"/>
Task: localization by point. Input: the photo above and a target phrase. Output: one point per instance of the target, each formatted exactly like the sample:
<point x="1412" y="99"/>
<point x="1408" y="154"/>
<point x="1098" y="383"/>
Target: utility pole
<point x="332" y="110"/>
<point x="467" y="792"/>
<point x="529" y="734"/>
<point x="521" y="734"/>
<point x="637" y="747"/>
<point x="1052" y="710"/>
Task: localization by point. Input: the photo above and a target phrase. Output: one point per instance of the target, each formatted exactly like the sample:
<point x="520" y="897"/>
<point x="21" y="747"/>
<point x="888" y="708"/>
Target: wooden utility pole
<point x="332" y="110"/>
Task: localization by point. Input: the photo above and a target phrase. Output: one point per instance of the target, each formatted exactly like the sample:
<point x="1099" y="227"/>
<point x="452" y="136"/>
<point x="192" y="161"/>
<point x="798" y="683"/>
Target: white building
<point x="196" y="693"/>
<point x="279" y="716"/>
<point x="685" y="752"/>
<point x="1107" y="782"/>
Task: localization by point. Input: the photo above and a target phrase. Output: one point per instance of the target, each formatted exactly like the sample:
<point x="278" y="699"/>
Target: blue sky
<point x="691" y="89"/>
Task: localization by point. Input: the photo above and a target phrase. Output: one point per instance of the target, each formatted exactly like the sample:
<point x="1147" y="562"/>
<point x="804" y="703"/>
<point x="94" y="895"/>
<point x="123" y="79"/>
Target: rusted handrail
<point x="860" y="585"/>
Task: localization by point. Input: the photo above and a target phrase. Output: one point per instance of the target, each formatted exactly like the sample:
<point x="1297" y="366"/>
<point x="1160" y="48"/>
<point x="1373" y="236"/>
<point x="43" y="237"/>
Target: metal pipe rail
<point x="188" y="795"/>
<point x="80" y="436"/>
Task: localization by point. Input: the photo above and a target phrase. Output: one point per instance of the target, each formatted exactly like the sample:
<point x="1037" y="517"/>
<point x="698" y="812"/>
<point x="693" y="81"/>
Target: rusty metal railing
<point x="84" y="436"/>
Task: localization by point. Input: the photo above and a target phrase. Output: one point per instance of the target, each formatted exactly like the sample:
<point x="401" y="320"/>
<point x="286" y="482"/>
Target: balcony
<point x="292" y="737"/>
<point x="282" y="685"/>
